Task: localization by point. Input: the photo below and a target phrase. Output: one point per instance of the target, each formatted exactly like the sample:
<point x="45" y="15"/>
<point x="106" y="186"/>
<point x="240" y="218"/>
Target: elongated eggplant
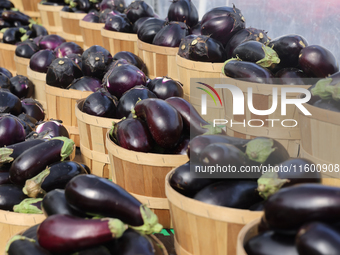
<point x="247" y="71"/>
<point x="29" y="205"/>
<point x="16" y="16"/>
<point x="317" y="238"/>
<point x="4" y="178"/>
<point x="55" y="176"/>
<point x="54" y="202"/>
<point x="9" y="103"/>
<point x="240" y="194"/>
<point x="26" y="49"/>
<point x="11" y="131"/>
<point x="98" y="250"/>
<point x="11" y="195"/>
<point x="291" y="76"/>
<point x="105" y="198"/>
<point x="290" y="208"/>
<point x="164" y="122"/>
<point x="12" y="35"/>
<point x="165" y="87"/>
<point x="20" y="245"/>
<point x="31" y="232"/>
<point x="33" y="161"/>
<point x="33" y="108"/>
<point x="269" y="242"/>
<point x="64" y="233"/>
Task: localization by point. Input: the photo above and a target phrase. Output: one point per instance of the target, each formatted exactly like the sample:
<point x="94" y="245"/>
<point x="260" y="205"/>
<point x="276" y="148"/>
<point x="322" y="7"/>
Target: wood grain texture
<point x="71" y="30"/>
<point x="115" y="42"/>
<point x="50" y="18"/>
<point x="21" y="65"/>
<point x="7" y="53"/>
<point x="248" y="231"/>
<point x="39" y="81"/>
<point x="91" y="33"/>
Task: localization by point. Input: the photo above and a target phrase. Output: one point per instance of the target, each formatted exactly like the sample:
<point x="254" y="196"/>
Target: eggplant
<point x="108" y="199"/>
<point x="291" y="76"/>
<point x="4" y="178"/>
<point x="54" y="202"/>
<point x="186" y="182"/>
<point x="83" y="5"/>
<point x="34" y="160"/>
<point x="5" y="82"/>
<point x="33" y="109"/>
<point x="149" y="29"/>
<point x="183" y="11"/>
<point x="247" y="71"/>
<point x="26" y="49"/>
<point x="256" y="52"/>
<point x="330" y="105"/>
<point x="108" y="13"/>
<point x="118" y="5"/>
<point x="288" y="48"/>
<point x="317" y="61"/>
<point x="6" y="5"/>
<point x="21" y="86"/>
<point x="12" y="35"/>
<point x="98" y="250"/>
<point x="267" y="242"/>
<point x="138" y="24"/>
<point x="31" y="232"/>
<point x="325" y="88"/>
<point x="38" y="30"/>
<point x="5" y="24"/>
<point x="55" y="176"/>
<point x="20" y="245"/>
<point x="239" y="194"/>
<point x="86" y="83"/>
<point x="138" y="9"/>
<point x="50" y="42"/>
<point x="76" y="58"/>
<point x="306" y="203"/>
<point x="164" y="122"/>
<point x="11" y="131"/>
<point x="9" y="103"/>
<point x="165" y="87"/>
<point x="11" y="195"/>
<point x="16" y="16"/>
<point x="65" y="233"/>
<point x="182" y="146"/>
<point x="257" y="207"/>
<point x="118" y="23"/>
<point x="29" y="206"/>
<point x="171" y="34"/>
<point x="41" y="60"/>
<point x="6" y="72"/>
<point x="132" y="59"/>
<point x="87" y="169"/>
<point x="95" y="61"/>
<point x="100" y="103"/>
<point x="53" y="128"/>
<point x="317" y="238"/>
<point x="195" y="30"/>
<point x="290" y="172"/>
<point x="132" y="134"/>
<point x="67" y="48"/>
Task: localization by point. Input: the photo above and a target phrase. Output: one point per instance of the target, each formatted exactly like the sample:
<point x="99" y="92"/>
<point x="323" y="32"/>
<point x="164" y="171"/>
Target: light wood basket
<point x="7" y="53"/>
<point x="71" y="29"/>
<point x="161" y="61"/>
<point x="201" y="228"/>
<point x="248" y="231"/>
<point x="92" y="133"/>
<point x="31" y="9"/>
<point x="12" y="223"/>
<point x="61" y="106"/>
<point x="116" y="42"/>
<point x="39" y="81"/>
<point x="91" y="33"/>
<point x="50" y="18"/>
<point x="143" y="175"/>
<point x="320" y="140"/>
<point x="21" y="65"/>
<point x="262" y="99"/>
<point x="18" y="4"/>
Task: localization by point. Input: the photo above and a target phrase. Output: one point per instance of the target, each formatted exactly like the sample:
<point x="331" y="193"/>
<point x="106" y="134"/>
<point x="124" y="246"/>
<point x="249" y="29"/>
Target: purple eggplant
<point x="41" y="60"/>
<point x="5" y="82"/>
<point x="6" y="72"/>
<point x="139" y="23"/>
<point x="165" y="87"/>
<point x="118" y="23"/>
<point x="50" y="42"/>
<point x="36" y="159"/>
<point x="55" y="176"/>
<point x="20" y="245"/>
<point x="53" y="128"/>
<point x="6" y="5"/>
<point x="86" y="83"/>
<point x="65" y="233"/>
<point x="9" y="103"/>
<point x="108" y="199"/>
<point x="183" y="11"/>
<point x="95" y="61"/>
<point x="291" y="76"/>
<point x="38" y="30"/>
<point x="11" y="195"/>
<point x="33" y="108"/>
<point x="149" y="29"/>
<point x="16" y="16"/>
<point x="13" y="35"/>
<point x="182" y="146"/>
<point x="26" y="49"/>
<point x="21" y="86"/>
<point x="82" y="5"/>
<point x="330" y="105"/>
<point x="11" y="131"/>
<point x="132" y="59"/>
<point x="67" y="48"/>
<point x="164" y="122"/>
<point x="138" y="9"/>
<point x="325" y="88"/>
<point x="4" y="178"/>
<point x="29" y="206"/>
<point x="101" y="104"/>
<point x="98" y="250"/>
<point x="195" y="30"/>
<point x="31" y="232"/>
<point x="108" y="13"/>
<point x="118" y="5"/>
<point x="171" y="34"/>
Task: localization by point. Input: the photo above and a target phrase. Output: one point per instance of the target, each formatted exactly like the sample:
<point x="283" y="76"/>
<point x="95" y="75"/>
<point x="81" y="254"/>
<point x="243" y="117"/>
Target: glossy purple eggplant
<point x="195" y="30"/>
<point x="138" y="9"/>
<point x="291" y="76"/>
<point x="4" y="178"/>
<point x="21" y="86"/>
<point x="53" y="128"/>
<point x="6" y="72"/>
<point x="118" y="5"/>
<point x="20" y="245"/>
<point x="101" y="104"/>
<point x="26" y="49"/>
<point x="33" y="108"/>
<point x="139" y="23"/>
<point x="36" y="159"/>
<point x="105" y="198"/>
<point x="108" y="13"/>
<point x="5" y="82"/>
<point x="171" y="34"/>
<point x="11" y="131"/>
<point x="65" y="234"/>
<point x="95" y="61"/>
<point x="118" y="23"/>
<point x="31" y="232"/>
<point x="132" y="59"/>
<point x="9" y="103"/>
<point x="86" y="83"/>
<point x="183" y="11"/>
<point x="182" y="146"/>
<point x="165" y="87"/>
<point x="41" y="60"/>
<point x="91" y="17"/>
<point x="16" y="16"/>
<point x="67" y="48"/>
<point x="11" y="195"/>
<point x="164" y="122"/>
<point x="50" y="42"/>
<point x="149" y="29"/>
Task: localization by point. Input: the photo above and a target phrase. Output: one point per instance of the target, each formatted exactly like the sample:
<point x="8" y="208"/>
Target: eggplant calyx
<point x="117" y="227"/>
<point x="73" y="4"/>
<point x="3" y="30"/>
<point x="320" y="89"/>
<point x="269" y="183"/>
<point x="213" y="130"/>
<point x="22" y="30"/>
<point x="33" y="186"/>
<point x="26" y="206"/>
<point x="150" y="220"/>
<point x="270" y="58"/>
<point x="335" y="91"/>
<point x="5" y="155"/>
<point x="24" y="37"/>
<point x="32" y="21"/>
<point x="15" y="238"/>
<point x="67" y="148"/>
<point x="259" y="149"/>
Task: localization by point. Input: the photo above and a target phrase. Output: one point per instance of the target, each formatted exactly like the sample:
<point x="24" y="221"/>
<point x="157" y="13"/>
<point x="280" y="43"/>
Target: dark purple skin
<point x="330" y="105"/>
<point x="98" y="250"/>
<point x="33" y="108"/>
<point x="87" y="169"/>
<point x="291" y="76"/>
<point x="113" y="4"/>
<point x="11" y="131"/>
<point x="9" y="103"/>
<point x="26" y="247"/>
<point x="138" y="9"/>
<point x="21" y="86"/>
<point x="183" y="11"/>
<point x="16" y="16"/>
<point x="317" y="238"/>
<point x="164" y="122"/>
<point x="100" y="104"/>
<point x="247" y="71"/>
<point x="107" y="199"/>
<point x="86" y="83"/>
<point x="118" y="24"/>
<point x="26" y="49"/>
<point x="122" y="78"/>
<point x="50" y="42"/>
<point x="91" y="17"/>
<point x="96" y="63"/>
<point x="182" y="147"/>
<point x="185" y="182"/>
<point x="258" y="207"/>
<point x="4" y="178"/>
<point x="5" y="82"/>
<point x="184" y="47"/>
<point x="267" y="242"/>
<point x="303" y="202"/>
<point x="129" y="99"/>
<point x="139" y="23"/>
<point x="317" y="61"/>
<point x="67" y="48"/>
<point x="6" y="5"/>
<point x="11" y="195"/>
<point x="195" y="30"/>
<point x="31" y="232"/>
<point x="132" y="59"/>
<point x="55" y="128"/>
<point x="149" y="29"/>
<point x="76" y="59"/>
<point x="6" y="72"/>
<point x="133" y="134"/>
<point x="19" y="148"/>
<point x="171" y="34"/>
<point x="41" y="60"/>
<point x="54" y="202"/>
<point x="105" y="14"/>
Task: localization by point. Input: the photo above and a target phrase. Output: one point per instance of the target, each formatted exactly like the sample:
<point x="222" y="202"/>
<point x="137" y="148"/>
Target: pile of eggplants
<point x="82" y="6"/>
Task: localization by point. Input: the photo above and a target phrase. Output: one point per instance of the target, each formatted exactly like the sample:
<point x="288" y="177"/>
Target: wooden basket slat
<point x="117" y="41"/>
<point x="7" y="53"/>
<point x="18" y="4"/>
<point x="39" y="81"/>
<point x="248" y="231"/>
<point x="50" y="18"/>
<point x="21" y="65"/>
<point x="71" y="30"/>
<point x="91" y="33"/>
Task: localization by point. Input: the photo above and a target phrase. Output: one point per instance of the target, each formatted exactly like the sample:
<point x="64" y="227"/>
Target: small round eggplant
<point x="171" y="34"/>
<point x="67" y="48"/>
<point x="11" y="131"/>
<point x="41" y="60"/>
<point x="21" y="86"/>
<point x="291" y="76"/>
<point x="132" y="59"/>
<point x="9" y="103"/>
<point x="5" y="82"/>
<point x="11" y="195"/>
<point x="165" y="87"/>
<point x="100" y="103"/>
<point x="149" y="29"/>
<point x="183" y="11"/>
<point x="53" y="128"/>
<point x="26" y="49"/>
<point x="50" y="42"/>
<point x="33" y="108"/>
<point x="6" y="72"/>
<point x="86" y="83"/>
<point x="118" y="24"/>
<point x="20" y="245"/>
<point x="138" y="9"/>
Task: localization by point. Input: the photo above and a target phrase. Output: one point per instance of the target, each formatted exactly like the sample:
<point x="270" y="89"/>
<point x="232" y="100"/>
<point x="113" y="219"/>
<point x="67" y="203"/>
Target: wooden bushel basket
<point x="143" y="175"/>
<point x="31" y="9"/>
<point x="115" y="42"/>
<point x="12" y="223"/>
<point x="248" y="231"/>
<point x="71" y="29"/>
<point x="201" y="228"/>
<point x="61" y="106"/>
<point x="21" y="65"/>
<point x="50" y="18"/>
<point x="18" y="4"/>
<point x="320" y="140"/>
<point x="91" y="33"/>
<point x="39" y="81"/>
<point x="161" y="61"/>
<point x="7" y="53"/>
<point x="92" y="133"/>
<point x="289" y="137"/>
